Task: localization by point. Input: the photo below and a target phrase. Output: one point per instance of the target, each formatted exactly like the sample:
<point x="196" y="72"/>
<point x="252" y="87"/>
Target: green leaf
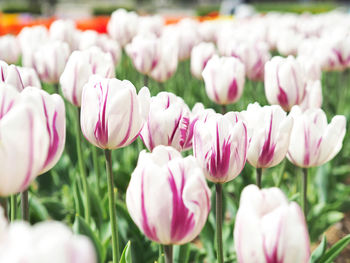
<point x="319" y="251"/>
<point x="126" y="255"/>
<point x="81" y="227"/>
<point x="182" y="253"/>
<point x="335" y="250"/>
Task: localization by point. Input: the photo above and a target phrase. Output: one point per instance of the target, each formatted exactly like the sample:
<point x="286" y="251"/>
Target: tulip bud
<point x="167" y="61"/>
<point x="311" y="67"/>
<point x="199" y="58"/>
<point x="313" y="142"/>
<point x="284" y="82"/>
<point x="167" y="197"/>
<point x="80" y="66"/>
<point x="24" y="145"/>
<point x="123" y="26"/>
<point x="150" y="25"/>
<point x="143" y="53"/>
<point x="65" y="31"/>
<point x="53" y="111"/>
<point x="220" y="145"/>
<point x="9" y="49"/>
<point x="50" y="59"/>
<point x="224" y="79"/>
<point x="269" y="131"/>
<point x="112" y="114"/>
<point x="188" y="37"/>
<point x="268" y="229"/>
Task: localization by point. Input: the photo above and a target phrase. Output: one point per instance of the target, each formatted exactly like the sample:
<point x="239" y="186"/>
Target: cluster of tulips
<point x="168" y="197"/>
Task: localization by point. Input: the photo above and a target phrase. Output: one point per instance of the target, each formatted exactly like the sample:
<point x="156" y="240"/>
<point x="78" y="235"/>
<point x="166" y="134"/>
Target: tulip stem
<point x="96" y="167"/>
<point x="220" y="254"/>
<point x="13" y="203"/>
<point x="168" y="253"/>
<point x="223" y="109"/>
<point x="304" y="191"/>
<point x="112" y="208"/>
<point x="145" y="80"/>
<point x="57" y="90"/>
<point x="25" y="205"/>
<point x="258" y="177"/>
<point x="81" y="166"/>
<point x="3" y="201"/>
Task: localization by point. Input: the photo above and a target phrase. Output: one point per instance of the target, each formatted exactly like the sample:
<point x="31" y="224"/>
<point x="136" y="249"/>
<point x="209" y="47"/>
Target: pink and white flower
<point x="220" y="145"/>
<point x="269" y="229"/>
<point x="313" y="142"/>
<point x="112" y="114"/>
<point x="200" y="56"/>
<point x="269" y="131"/>
<point x="9" y="49"/>
<point x="168" y="197"/>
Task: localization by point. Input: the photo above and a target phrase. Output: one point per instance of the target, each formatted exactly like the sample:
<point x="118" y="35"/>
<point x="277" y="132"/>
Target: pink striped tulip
<point x="80" y="66"/>
<point x="112" y="114"/>
<point x="314" y="142"/>
<point x="51" y="107"/>
<point x="24" y="143"/>
<point x="44" y="242"/>
<point x="268" y="229"/>
<point x="199" y="58"/>
<point x="9" y="49"/>
<point x="285" y="82"/>
<point x="168" y="197"/>
<point x="224" y="79"/>
<point x="313" y="97"/>
<point x="50" y="59"/>
<point x="269" y="131"/>
<point x="123" y="26"/>
<point x="167" y="61"/>
<point x="64" y="30"/>
<point x="143" y="51"/>
<point x="18" y="77"/>
<point x="220" y="145"/>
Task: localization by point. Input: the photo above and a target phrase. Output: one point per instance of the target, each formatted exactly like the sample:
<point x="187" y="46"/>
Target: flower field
<point x="223" y="140"/>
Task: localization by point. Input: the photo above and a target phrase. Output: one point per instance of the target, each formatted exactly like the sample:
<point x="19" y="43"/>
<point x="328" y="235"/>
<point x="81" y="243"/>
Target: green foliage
<point x="11" y="8"/>
<point x="107" y="10"/>
<point x="320" y="255"/>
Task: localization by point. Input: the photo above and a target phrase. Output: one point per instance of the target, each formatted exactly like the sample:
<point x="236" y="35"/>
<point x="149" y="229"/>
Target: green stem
<point x="220" y="254"/>
<point x="3" y="203"/>
<point x="57" y="90"/>
<point x="258" y="177"/>
<point x="168" y="253"/>
<point x="13" y="202"/>
<point x="112" y="208"/>
<point x="96" y="167"/>
<point x="304" y="192"/>
<point x="81" y="166"/>
<point x="25" y="205"/>
<point x="223" y="109"/>
<point x="145" y="80"/>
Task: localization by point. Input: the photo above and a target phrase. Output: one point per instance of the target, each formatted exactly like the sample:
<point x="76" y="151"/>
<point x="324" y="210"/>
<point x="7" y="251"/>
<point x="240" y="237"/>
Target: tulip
<point x="220" y="145"/>
<point x="30" y="38"/>
<point x="123" y="26"/>
<point x="199" y="58"/>
<point x="64" y="30"/>
<point x="44" y="242"/>
<point x="313" y="142"/>
<point x="143" y="53"/>
<point x="284" y="82"/>
<point x="50" y="59"/>
<point x="311" y="67"/>
<point x="268" y="229"/>
<point x="24" y="143"/>
<point x="224" y="79"/>
<point x="167" y="197"/>
<point x="110" y="46"/>
<point x="51" y="107"/>
<point x="269" y="131"/>
<point x="9" y="49"/>
<point x="22" y="77"/>
<point x="80" y="66"/>
<point x="208" y="30"/>
<point x="167" y="60"/>
<point x="150" y="25"/>
<point x="112" y="114"/>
